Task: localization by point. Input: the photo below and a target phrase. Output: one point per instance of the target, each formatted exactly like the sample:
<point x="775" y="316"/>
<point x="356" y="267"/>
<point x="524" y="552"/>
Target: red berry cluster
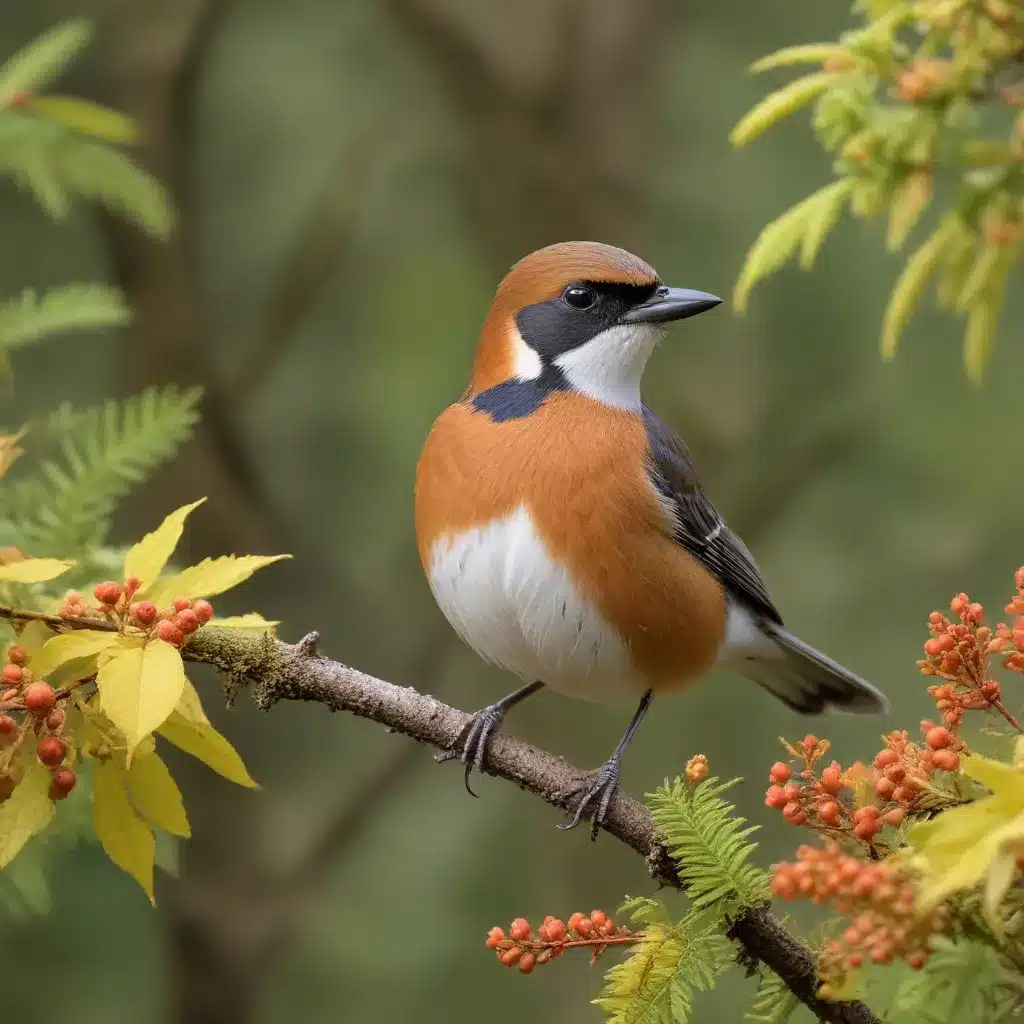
<point x="875" y="896"/>
<point x="43" y="719"/>
<point x="114" y="603"/>
<point x="824" y="801"/>
<point x="519" y="948"/>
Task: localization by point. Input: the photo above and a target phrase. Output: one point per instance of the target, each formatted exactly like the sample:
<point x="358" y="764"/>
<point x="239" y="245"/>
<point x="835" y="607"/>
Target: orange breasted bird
<point x="562" y="526"/>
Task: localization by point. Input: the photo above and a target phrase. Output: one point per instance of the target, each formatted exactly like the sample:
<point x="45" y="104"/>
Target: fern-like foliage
<point x="73" y="307"/>
<point x="63" y="505"/>
<point x="774" y="1003"/>
<point x="656" y="985"/>
<point x="42" y="60"/>
<point x="962" y="981"/>
<point x="709" y="844"/>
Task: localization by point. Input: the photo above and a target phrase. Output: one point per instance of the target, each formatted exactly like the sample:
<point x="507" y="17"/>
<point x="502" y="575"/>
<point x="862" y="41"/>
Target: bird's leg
<point x="471" y="743"/>
<point x="600" y="792"/>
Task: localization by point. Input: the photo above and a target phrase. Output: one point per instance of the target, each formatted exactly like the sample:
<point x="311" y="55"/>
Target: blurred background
<point x="353" y="179"/>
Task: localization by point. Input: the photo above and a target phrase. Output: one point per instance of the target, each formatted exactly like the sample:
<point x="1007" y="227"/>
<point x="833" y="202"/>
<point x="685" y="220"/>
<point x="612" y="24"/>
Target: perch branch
<point x="276" y="671"/>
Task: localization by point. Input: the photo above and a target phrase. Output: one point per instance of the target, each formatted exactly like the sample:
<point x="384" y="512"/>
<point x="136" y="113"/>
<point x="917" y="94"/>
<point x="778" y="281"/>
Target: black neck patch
<point x="553" y="327"/>
<point x="514" y="399"/>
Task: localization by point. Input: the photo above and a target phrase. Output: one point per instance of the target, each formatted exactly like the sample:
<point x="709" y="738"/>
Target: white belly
<point x="517" y="608"/>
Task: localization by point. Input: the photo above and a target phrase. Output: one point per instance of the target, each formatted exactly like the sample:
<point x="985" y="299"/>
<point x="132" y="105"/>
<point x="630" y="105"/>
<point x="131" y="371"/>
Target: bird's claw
<point x="600" y="792"/>
<point x="470" y="745"/>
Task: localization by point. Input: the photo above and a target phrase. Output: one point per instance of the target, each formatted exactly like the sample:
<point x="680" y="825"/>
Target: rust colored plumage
<point x="573" y="464"/>
<point x="539" y="276"/>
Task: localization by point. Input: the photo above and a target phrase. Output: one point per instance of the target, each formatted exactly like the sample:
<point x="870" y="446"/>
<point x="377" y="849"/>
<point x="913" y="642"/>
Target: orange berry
<point x="810" y="742"/>
<point x="895" y="816"/>
<point x="169" y="632"/>
<point x="792" y="791"/>
<point x="946" y="760"/>
<point x="13" y="673"/>
<point x="527" y="962"/>
<point x="17" y="654"/>
<point x="897" y="772"/>
<point x="62" y="783"/>
<point x="8" y="727"/>
<point x="868" y="813"/>
<point x="794" y="813"/>
<point x="937" y="737"/>
<point x="40" y="699"/>
<point x="131" y="585"/>
<point x="584" y="927"/>
<point x="780" y="773"/>
<point x="511" y="956"/>
<point x="519" y="929"/>
<point x="959" y="604"/>
<point x="832" y="778"/>
<point x="7" y="785"/>
<point x="776" y="797"/>
<point x="107" y="593"/>
<point x="916" y="960"/>
<point x="556" y="930"/>
<point x="885" y="788"/>
<point x="828" y="812"/>
<point x="886" y="757"/>
<point x="608" y="928"/>
<point x="187" y="621"/>
<point x="51" y="751"/>
<point x="494" y="937"/>
<point x="598" y="918"/>
<point x="144" y="612"/>
<point x="181" y="603"/>
<point x="203" y="610"/>
<point x="933" y="648"/>
<point x="574" y="921"/>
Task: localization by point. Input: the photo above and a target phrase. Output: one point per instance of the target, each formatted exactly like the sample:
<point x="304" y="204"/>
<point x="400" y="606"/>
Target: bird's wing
<point x="699" y="527"/>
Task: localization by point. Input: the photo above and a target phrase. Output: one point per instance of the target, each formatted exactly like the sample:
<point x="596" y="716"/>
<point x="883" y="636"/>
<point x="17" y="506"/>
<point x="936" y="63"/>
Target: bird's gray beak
<point x="671" y="304"/>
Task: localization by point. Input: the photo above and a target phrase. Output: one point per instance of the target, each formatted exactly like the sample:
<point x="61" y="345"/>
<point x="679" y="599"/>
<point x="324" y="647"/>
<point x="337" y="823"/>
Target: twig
<point x="276" y="671"/>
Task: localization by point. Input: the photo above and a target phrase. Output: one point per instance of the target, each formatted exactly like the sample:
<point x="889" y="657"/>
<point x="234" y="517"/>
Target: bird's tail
<point x="809" y="681"/>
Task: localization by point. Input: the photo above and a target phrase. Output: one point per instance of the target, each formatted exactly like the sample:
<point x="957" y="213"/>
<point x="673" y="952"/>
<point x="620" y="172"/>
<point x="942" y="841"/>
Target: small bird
<point x="563" y="529"/>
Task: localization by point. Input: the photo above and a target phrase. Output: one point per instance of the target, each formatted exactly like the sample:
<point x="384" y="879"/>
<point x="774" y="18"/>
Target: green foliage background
<point x="350" y="192"/>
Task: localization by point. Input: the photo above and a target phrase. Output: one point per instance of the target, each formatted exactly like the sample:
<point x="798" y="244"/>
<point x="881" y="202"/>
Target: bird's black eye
<point x="579" y="297"/>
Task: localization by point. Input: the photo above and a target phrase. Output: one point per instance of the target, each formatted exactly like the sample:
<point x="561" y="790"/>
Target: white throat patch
<point x="610" y="365"/>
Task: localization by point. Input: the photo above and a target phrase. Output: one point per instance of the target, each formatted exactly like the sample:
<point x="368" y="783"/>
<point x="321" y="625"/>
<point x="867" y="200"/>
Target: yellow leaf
<point x="86" y="117"/>
<point x="34" y="635"/>
<point x="957" y="261"/>
<point x="983" y="273"/>
<point x="206" y="744"/>
<point x="26" y="812"/>
<point x="156" y="796"/>
<point x="209" y="577"/>
<point x="126" y="838"/>
<point x="994" y="775"/>
<point x="911" y="282"/>
<point x="139" y="687"/>
<point x="147" y="559"/>
<point x="1000" y="876"/>
<point x="65" y="647"/>
<point x="253" y="622"/>
<point x="806" y="53"/>
<point x="190" y="706"/>
<point x="780" y="104"/>
<point x="909" y="201"/>
<point x="34" y="570"/>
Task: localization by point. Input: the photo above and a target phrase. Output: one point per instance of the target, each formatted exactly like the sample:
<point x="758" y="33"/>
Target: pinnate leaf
<point x="126" y="837"/>
<point x="146" y="560"/>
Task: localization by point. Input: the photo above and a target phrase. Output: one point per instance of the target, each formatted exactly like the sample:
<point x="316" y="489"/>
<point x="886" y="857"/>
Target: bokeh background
<point x="352" y="179"/>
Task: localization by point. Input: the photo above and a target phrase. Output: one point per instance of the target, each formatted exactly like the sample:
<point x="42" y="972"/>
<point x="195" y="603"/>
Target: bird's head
<point x="585" y="314"/>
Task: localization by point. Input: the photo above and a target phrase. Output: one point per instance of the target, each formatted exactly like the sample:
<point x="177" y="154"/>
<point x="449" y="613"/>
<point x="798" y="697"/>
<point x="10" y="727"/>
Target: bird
<point x="563" y="528"/>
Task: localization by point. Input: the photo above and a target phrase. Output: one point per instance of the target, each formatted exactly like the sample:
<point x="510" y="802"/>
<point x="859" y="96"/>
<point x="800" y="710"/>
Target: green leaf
<point x="822" y="219"/>
<point x="806" y="53"/>
<point x="708" y="842"/>
<point x="156" y="796"/>
<point x="43" y="60"/>
<point x="774" y="1003"/>
<point x="86" y="117"/>
<point x="64" y="506"/>
<point x="75" y="307"/>
<point x="779" y="105"/>
<point x="126" y="837"/>
<point x="140" y="687"/>
<point x="909" y="201"/>
<point x="206" y="744"/>
<point x="211" y="576"/>
<point x="146" y="560"/>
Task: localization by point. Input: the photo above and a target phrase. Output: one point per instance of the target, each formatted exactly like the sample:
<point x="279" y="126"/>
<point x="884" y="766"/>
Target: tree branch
<point x="277" y="671"/>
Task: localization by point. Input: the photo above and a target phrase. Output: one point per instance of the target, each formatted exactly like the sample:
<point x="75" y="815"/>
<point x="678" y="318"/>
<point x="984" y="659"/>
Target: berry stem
<point x="1002" y="709"/>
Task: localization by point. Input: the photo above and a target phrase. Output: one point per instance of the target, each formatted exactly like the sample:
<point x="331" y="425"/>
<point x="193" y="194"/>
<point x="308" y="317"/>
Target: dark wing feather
<point x="699" y="527"/>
